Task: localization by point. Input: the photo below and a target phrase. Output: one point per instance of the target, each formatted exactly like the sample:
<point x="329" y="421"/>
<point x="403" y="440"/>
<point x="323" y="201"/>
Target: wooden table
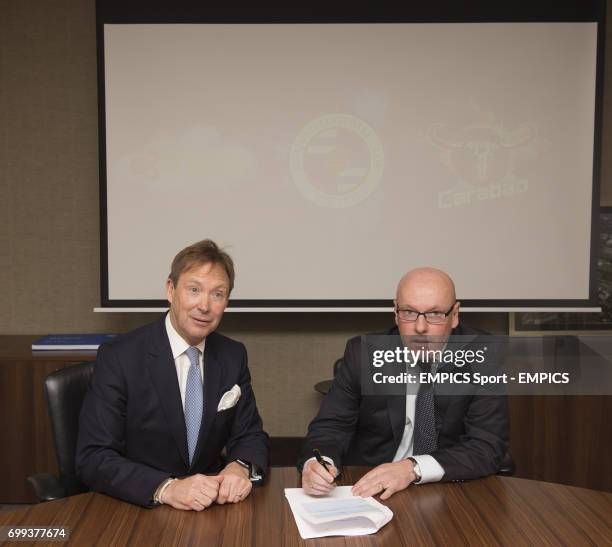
<point x="491" y="511"/>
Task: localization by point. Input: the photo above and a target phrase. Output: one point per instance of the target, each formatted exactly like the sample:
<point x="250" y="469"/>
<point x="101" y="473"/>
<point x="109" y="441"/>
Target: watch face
<point x="416" y="469"/>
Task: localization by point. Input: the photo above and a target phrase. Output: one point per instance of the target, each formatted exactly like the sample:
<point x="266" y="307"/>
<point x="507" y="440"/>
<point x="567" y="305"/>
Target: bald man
<point x="471" y="431"/>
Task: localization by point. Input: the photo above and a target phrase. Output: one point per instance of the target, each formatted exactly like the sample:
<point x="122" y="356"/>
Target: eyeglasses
<point x="432" y="317"/>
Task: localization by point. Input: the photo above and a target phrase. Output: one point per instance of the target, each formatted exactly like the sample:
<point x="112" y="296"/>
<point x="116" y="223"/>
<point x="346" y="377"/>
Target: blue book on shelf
<point x="71" y="342"/>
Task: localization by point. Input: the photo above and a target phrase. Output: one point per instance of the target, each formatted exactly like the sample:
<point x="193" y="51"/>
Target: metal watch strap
<point x="255" y="473"/>
<point x="417" y="469"/>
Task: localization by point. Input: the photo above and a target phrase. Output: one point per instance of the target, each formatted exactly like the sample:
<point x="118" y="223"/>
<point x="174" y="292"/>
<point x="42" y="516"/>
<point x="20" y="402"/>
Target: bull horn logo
<point x="480" y="154"/>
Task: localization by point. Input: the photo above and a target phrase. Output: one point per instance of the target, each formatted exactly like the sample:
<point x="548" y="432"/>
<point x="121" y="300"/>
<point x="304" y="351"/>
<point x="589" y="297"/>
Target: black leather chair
<point x="65" y="390"/>
<point x="507" y="467"/>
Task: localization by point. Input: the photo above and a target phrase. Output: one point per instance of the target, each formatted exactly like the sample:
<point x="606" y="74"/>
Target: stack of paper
<point x="337" y="514"/>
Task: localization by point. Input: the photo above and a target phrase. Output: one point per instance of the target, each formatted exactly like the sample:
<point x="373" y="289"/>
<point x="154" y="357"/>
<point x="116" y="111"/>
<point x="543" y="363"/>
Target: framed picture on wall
<point x="525" y="323"/>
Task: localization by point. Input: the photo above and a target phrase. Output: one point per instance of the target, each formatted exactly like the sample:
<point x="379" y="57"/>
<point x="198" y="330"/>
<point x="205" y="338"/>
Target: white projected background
<point x="329" y="159"/>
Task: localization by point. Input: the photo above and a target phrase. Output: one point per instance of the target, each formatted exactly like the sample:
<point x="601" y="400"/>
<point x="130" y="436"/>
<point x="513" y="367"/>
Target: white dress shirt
<point x="431" y="470"/>
<point x="181" y="361"/>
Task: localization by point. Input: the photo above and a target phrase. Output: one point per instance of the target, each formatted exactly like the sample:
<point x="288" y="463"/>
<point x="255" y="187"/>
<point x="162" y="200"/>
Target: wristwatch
<point x="244" y="464"/>
<point x="417" y="470"/>
<point x="254" y="474"/>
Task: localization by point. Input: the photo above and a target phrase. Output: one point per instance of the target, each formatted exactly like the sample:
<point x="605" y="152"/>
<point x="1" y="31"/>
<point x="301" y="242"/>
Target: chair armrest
<point x="47" y="487"/>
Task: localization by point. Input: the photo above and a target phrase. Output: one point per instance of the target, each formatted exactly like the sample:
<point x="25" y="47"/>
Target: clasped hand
<point x="198" y="492"/>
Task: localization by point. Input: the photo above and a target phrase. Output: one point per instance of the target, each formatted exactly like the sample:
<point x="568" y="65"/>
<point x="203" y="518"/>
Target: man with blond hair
<point x="411" y="438"/>
<point x="170" y="415"/>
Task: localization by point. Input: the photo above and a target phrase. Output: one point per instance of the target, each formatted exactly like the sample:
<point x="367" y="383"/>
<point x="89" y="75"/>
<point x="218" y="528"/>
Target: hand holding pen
<point x="318" y="476"/>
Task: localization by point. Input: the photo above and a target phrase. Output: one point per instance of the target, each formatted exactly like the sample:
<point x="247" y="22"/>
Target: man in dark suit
<point x="170" y="415"/>
<point x="412" y="438"/>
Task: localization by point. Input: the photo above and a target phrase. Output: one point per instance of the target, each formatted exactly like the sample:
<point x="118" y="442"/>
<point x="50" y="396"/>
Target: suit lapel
<point x="212" y="379"/>
<point x="163" y="375"/>
<point x="396" y="407"/>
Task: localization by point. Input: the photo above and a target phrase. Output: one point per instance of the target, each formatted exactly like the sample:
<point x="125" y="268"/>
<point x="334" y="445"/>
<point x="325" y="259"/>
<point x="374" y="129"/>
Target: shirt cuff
<point x="431" y="470"/>
<point x="255" y="474"/>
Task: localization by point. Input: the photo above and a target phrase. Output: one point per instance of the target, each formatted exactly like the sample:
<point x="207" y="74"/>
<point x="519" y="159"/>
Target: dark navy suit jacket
<point x="132" y="433"/>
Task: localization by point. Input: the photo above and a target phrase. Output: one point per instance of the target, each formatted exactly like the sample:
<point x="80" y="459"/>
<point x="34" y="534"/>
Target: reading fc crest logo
<point x="336" y="160"/>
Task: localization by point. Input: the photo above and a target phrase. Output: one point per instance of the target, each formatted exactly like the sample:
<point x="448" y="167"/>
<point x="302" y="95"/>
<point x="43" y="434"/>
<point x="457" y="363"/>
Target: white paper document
<point x="337" y="514"/>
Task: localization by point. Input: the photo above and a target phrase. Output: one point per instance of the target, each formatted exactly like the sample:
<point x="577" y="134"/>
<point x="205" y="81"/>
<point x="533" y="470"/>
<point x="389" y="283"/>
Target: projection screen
<point x="328" y="159"/>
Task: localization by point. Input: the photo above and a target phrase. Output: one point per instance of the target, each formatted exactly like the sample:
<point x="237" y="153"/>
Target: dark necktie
<point x="425" y="434"/>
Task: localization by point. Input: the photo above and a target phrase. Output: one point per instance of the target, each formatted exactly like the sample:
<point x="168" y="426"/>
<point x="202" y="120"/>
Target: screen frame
<point x="439" y="11"/>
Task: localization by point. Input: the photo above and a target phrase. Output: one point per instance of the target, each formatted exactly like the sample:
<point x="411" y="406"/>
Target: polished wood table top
<point x="491" y="511"/>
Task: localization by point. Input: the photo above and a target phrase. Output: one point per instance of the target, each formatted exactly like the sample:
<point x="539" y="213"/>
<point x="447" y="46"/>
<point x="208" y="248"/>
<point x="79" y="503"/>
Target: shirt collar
<point x="177" y="343"/>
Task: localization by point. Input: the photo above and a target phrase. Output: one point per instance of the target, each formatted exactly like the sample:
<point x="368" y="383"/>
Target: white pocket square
<point x="230" y="398"/>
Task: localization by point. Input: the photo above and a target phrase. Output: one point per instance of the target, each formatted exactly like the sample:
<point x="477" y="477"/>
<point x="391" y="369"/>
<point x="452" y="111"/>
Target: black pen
<point x="320" y="459"/>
